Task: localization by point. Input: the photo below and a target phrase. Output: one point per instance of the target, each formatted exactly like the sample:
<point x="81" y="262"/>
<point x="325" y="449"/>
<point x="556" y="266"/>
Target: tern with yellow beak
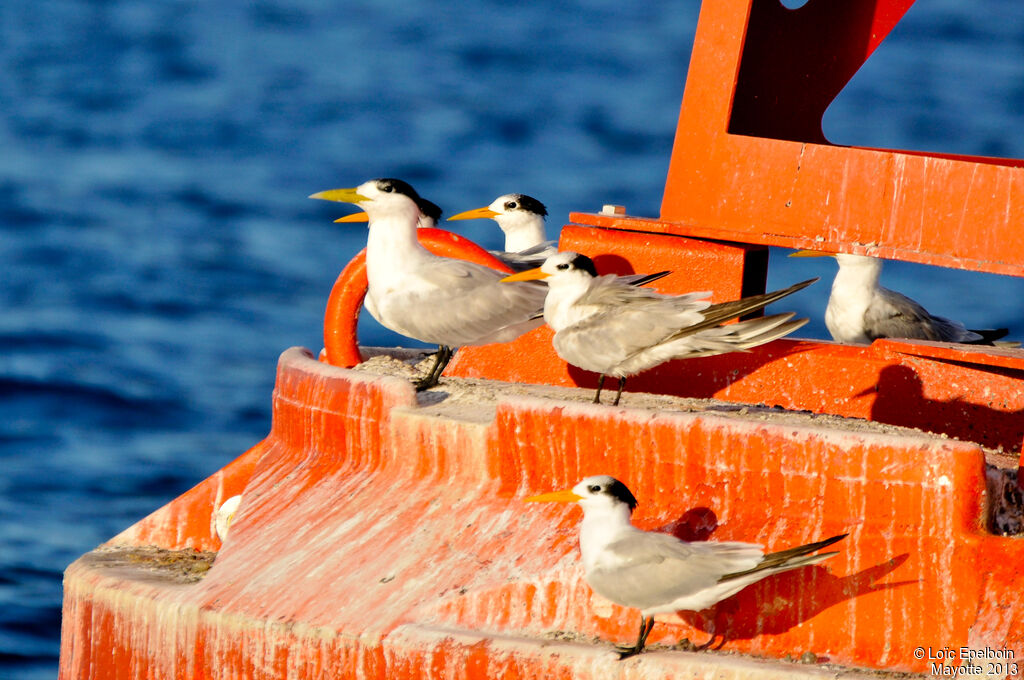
<point x="439" y="300"/>
<point x="658" y="573"/>
<point x="604" y="324"/>
<point x="521" y="218"/>
<point x="860" y="311"/>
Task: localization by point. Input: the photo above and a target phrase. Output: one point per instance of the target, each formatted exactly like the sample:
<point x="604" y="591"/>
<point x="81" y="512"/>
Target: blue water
<point x="157" y="251"/>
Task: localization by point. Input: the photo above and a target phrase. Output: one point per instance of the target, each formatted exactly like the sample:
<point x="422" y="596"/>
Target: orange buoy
<point x="382" y="534"/>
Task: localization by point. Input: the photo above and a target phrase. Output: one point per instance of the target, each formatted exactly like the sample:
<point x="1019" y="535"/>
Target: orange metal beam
<point x="750" y="164"/>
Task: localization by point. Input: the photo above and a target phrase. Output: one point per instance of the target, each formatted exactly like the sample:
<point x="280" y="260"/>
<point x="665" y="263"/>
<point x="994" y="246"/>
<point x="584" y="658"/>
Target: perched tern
<point x="521" y="217"/>
<point x="225" y="515"/>
<point x="860" y="311"/>
<point x="658" y="573"/>
<point x="605" y="325"/>
<point x="433" y="299"/>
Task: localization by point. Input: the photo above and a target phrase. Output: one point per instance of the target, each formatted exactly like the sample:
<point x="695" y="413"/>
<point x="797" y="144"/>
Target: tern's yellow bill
<point x="477" y="214"/>
<point x="340" y="196"/>
<point x="566" y="496"/>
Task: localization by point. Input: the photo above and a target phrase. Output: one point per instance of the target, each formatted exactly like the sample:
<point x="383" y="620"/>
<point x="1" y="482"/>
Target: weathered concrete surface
<point x="378" y="537"/>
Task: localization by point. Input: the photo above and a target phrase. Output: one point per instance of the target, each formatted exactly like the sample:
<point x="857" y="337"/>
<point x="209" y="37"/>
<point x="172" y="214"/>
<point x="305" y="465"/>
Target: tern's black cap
<point x="527" y="203"/>
<point x="619" y="491"/>
<point x="390" y="184"/>
<point x="614" y="488"/>
<point x="584" y="263"/>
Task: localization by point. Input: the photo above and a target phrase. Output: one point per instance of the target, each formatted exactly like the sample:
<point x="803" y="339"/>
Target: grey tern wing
<point x="527" y="258"/>
<point x="627" y="320"/>
<point x="734" y="337"/>
<point x="894" y="315"/>
<point x="648" y="570"/>
<point x="462" y="303"/>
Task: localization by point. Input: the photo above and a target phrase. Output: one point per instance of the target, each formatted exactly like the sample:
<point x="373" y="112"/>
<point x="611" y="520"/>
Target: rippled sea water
<point x="157" y="251"/>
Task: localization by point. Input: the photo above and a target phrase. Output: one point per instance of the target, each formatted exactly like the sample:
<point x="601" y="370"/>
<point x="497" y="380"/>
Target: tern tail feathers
<point x="724" y="311"/>
<point x="528" y="258"/>
<point x="988" y="335"/>
<point x="737" y="337"/>
<point x="644" y="279"/>
<point x="784" y="560"/>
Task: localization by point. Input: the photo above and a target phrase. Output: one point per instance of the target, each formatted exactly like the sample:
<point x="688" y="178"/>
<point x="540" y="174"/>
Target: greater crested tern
<point x="225" y="515"/>
<point x="521" y="218"/>
<point x="658" y="573"/>
<point x="439" y="300"/>
<point x="860" y="311"/>
<point x="605" y="325"/>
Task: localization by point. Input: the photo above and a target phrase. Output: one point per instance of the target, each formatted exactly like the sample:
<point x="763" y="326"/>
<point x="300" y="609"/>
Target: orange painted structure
<point x="378" y="537"/>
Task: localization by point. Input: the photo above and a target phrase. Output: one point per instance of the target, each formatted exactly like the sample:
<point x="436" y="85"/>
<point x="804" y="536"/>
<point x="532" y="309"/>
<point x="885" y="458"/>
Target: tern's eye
<point x="594" y="488"/>
<point x="563" y="267"/>
<point x="387" y="188"/>
<point x="511" y="205"/>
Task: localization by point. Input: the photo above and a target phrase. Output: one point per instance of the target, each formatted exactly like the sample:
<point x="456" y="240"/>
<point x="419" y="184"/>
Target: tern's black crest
<point x="390" y="184"/>
<point x="432" y="210"/>
<point x="584" y="263"/>
<point x="527" y="203"/>
<point x="618" y="490"/>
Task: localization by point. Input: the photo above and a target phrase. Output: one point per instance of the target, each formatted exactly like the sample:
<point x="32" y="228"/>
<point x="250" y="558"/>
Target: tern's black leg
<point x="445" y="354"/>
<point x="600" y="384"/>
<point x="646" y="623"/>
<point x="622" y="383"/>
<point x="441" y="359"/>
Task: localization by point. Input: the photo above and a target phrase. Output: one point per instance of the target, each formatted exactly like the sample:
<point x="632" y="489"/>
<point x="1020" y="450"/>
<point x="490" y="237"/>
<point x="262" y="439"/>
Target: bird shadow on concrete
<point x="900" y="400"/>
<point x="781" y="601"/>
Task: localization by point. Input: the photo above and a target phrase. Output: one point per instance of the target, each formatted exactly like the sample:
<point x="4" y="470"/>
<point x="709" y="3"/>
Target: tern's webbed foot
<point x="646" y="624"/>
<point x="433" y="377"/>
<point x="425" y="383"/>
<point x="706" y="645"/>
<point x="626" y="652"/>
<point x="686" y="645"/>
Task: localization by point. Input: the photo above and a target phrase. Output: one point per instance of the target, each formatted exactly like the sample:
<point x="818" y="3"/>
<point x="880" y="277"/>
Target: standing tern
<point x="604" y="325"/>
<point x="521" y="217"/>
<point x="658" y="573"/>
<point x="421" y="295"/>
<point x="860" y="311"/>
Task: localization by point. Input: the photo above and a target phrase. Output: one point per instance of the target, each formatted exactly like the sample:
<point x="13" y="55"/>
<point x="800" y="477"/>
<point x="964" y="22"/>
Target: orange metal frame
<point x="401" y="546"/>
<point x="750" y="162"/>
